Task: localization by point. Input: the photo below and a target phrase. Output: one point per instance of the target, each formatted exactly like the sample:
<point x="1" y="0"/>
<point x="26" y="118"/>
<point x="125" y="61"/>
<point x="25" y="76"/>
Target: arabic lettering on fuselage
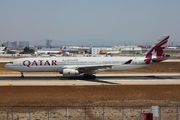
<point x="29" y="63"/>
<point x="68" y="60"/>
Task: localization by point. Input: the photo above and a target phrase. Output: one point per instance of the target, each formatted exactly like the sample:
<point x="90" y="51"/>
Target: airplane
<point x="3" y="49"/>
<point x="48" y="51"/>
<point x="88" y="66"/>
<point x="113" y="52"/>
<point x="172" y="47"/>
<point x="67" y="54"/>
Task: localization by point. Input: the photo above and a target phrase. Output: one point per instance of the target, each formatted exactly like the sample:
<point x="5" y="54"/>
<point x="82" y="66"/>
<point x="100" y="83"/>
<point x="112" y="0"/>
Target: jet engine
<point x="70" y="72"/>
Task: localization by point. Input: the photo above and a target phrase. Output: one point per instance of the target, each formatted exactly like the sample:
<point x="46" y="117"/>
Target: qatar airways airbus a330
<point x="88" y="66"/>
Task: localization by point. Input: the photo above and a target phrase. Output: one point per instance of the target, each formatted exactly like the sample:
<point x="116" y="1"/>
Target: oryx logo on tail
<point x="156" y="50"/>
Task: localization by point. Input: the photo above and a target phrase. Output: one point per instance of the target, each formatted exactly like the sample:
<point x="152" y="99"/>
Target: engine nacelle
<point x="70" y="72"/>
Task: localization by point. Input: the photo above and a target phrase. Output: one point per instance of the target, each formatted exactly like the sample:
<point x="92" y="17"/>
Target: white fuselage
<point x="2" y="51"/>
<point x="48" y="52"/>
<point x="57" y="64"/>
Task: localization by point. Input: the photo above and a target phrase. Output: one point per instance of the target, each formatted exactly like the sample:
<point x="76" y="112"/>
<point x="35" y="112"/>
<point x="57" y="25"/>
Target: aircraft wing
<point x="93" y="67"/>
<point x="89" y="67"/>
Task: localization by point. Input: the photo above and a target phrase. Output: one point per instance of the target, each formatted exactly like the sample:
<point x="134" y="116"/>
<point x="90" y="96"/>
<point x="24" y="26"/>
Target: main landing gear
<point x="89" y="76"/>
<point x="22" y="75"/>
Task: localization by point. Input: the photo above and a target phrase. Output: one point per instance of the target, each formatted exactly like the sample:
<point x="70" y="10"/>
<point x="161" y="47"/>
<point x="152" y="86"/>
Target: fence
<point x="85" y="113"/>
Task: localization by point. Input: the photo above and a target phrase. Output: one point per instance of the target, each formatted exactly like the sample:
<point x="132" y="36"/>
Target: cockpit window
<point x="10" y="62"/>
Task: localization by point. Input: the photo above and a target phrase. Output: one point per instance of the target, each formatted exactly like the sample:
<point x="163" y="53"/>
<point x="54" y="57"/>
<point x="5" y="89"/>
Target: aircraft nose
<point x="6" y="65"/>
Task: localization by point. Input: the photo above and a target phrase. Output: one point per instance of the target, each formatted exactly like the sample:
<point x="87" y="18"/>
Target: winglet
<point x="156" y="50"/>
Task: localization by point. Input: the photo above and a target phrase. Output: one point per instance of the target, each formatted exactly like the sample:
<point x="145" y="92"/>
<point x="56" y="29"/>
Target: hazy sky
<point x="84" y="22"/>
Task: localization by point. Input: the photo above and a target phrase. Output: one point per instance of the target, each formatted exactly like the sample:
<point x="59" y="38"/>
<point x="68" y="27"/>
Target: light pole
<point x="130" y="47"/>
<point x="172" y="48"/>
<point x="125" y="47"/>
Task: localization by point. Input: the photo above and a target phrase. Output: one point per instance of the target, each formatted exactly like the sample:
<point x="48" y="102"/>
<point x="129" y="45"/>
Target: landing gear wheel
<point x="22" y="75"/>
<point x="88" y="76"/>
<point x="93" y="77"/>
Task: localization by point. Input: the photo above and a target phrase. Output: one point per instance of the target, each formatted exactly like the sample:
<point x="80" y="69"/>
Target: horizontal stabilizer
<point x="128" y="62"/>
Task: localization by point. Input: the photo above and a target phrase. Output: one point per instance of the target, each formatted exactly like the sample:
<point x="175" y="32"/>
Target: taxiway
<point x="102" y="79"/>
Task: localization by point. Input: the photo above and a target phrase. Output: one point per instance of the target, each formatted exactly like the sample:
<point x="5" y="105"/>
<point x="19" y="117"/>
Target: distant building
<point x="23" y="44"/>
<point x="144" y="46"/>
<point x="14" y="44"/>
<point x="116" y="50"/>
<point x="131" y="50"/>
<point x="97" y="50"/>
<point x="10" y="44"/>
<point x="48" y="43"/>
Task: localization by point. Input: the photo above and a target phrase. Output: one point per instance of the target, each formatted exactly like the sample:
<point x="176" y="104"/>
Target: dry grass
<point x="110" y="95"/>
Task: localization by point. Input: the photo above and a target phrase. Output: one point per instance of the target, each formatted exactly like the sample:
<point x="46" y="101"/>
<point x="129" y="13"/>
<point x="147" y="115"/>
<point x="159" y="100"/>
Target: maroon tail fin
<point x="156" y="50"/>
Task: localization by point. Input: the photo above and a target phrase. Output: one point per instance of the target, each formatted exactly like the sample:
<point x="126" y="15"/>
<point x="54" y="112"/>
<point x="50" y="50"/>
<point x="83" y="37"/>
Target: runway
<point x="102" y="79"/>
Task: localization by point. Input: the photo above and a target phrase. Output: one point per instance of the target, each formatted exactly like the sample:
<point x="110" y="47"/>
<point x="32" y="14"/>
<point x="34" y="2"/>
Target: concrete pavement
<point x="102" y="79"/>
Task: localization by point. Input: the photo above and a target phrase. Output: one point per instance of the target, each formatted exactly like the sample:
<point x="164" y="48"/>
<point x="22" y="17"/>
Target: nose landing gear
<point x="22" y="75"/>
